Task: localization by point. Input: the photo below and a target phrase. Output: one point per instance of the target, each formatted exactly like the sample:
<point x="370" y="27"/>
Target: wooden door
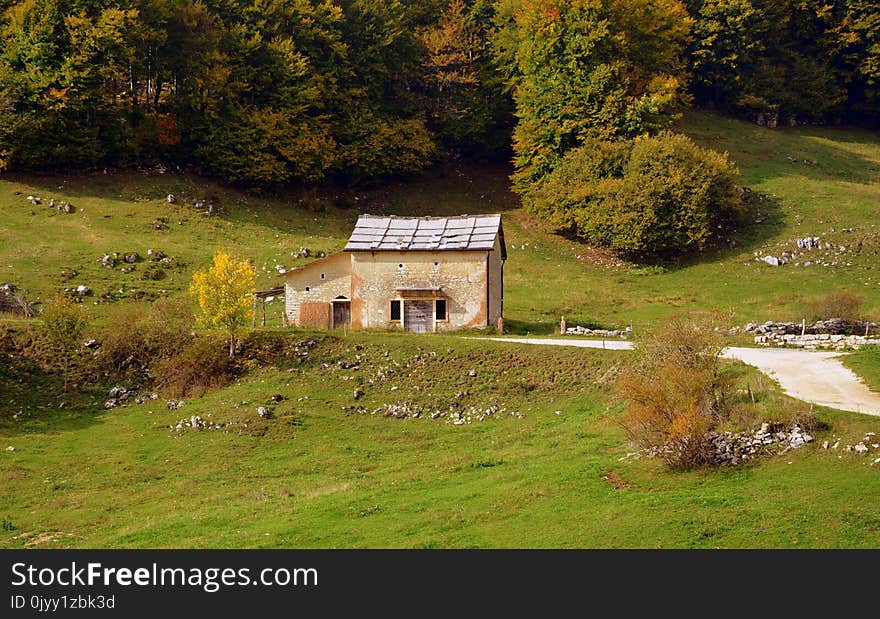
<point x="341" y="313"/>
<point x="418" y="316"/>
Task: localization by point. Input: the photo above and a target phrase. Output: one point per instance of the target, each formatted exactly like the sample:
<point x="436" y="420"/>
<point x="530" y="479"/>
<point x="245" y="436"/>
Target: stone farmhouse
<point x="422" y="274"/>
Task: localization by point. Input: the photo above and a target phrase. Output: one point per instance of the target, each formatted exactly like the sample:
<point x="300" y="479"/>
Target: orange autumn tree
<point x="224" y="292"/>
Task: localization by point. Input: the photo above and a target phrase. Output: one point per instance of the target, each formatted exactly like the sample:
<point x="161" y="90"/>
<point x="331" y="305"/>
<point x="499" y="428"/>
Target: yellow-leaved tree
<point x="224" y="292"/>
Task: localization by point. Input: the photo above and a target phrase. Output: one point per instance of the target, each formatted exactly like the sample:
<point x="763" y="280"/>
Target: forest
<point x="269" y="92"/>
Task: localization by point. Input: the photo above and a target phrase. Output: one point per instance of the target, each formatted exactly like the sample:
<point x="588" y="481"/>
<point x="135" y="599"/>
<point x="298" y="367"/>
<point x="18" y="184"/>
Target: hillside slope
<point x="818" y="182"/>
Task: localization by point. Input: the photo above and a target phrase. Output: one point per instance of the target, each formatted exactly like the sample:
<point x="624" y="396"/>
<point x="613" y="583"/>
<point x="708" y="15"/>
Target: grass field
<point x="548" y="469"/>
<point x="543" y="471"/>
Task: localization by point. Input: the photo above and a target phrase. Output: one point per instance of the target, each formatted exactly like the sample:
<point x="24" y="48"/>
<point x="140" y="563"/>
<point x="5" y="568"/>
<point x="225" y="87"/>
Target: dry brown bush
<point x="677" y="392"/>
<point x="197" y="368"/>
<point x="139" y="334"/>
<point x="842" y="304"/>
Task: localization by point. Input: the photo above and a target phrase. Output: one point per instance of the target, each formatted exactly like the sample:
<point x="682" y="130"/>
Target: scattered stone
<point x="171" y="199"/>
<point x="773" y="261"/>
<point x="263" y="412"/>
<point x="108" y="261"/>
<point x="10" y="448"/>
<point x="358" y="393"/>
<point x="83" y="290"/>
<point x="860" y="448"/>
<point x="131" y="257"/>
<point x="92" y="344"/>
<point x="173" y="405"/>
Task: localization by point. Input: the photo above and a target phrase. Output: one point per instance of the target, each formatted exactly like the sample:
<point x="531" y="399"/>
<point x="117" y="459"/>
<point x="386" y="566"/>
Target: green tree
<point x="592" y="67"/>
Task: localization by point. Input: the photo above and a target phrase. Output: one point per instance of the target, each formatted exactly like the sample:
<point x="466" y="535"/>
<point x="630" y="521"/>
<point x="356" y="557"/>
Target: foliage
<point x="652" y="196"/>
<point x="841" y="304"/>
<point x="799" y="60"/>
<point x="137" y="334"/>
<point x="592" y="68"/>
<point x="63" y="324"/>
<point x="224" y="293"/>
<point x="677" y="391"/>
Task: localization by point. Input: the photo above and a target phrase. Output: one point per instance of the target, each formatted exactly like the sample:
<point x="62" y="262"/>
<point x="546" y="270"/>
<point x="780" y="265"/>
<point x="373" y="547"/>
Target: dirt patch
<point x="598" y="257"/>
<point x="32" y="539"/>
<point x="614" y="478"/>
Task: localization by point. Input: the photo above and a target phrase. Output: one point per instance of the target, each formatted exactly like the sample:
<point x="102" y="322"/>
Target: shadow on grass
<point x="816" y="153"/>
<point x="32" y="401"/>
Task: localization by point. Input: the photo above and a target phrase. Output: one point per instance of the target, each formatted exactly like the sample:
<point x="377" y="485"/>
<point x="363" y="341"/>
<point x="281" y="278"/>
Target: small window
<point x="307" y="288"/>
<point x="436" y="264"/>
<point x="440" y="309"/>
<point x="395" y="311"/>
<point x="400" y="266"/>
<point x="323" y="276"/>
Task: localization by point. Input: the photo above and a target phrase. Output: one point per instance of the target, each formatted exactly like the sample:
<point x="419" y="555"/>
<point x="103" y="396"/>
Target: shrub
<point x="842" y="304"/>
<point x="63" y="324"/>
<point x="676" y="391"/>
<point x="200" y="366"/>
<point x="654" y="196"/>
<point x="138" y="334"/>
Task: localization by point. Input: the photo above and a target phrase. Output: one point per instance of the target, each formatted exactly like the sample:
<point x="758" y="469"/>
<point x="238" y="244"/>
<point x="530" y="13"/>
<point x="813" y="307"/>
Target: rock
<point x="263" y="412"/>
<point x="10" y="448"/>
<point x="173" y="405"/>
<point x="108" y="261"/>
<point x="92" y="344"/>
<point x="358" y="393"/>
<point x="83" y="290"/>
<point x="860" y="448"/>
<point x="67" y="207"/>
<point x="277" y="398"/>
<point x="773" y="261"/>
<point x="472" y="373"/>
<point x="131" y="257"/>
<point x="171" y="199"/>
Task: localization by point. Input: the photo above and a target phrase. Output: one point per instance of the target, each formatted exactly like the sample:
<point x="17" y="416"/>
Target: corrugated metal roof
<point x="462" y="233"/>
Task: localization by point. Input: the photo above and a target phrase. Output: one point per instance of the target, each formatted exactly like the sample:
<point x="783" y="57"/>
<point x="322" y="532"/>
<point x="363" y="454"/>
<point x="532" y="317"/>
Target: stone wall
<point x="311" y="307"/>
<point x="817" y="341"/>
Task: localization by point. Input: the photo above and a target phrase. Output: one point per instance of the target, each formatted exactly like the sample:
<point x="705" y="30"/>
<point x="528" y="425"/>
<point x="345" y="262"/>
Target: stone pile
<point x="604" y="333"/>
<point x="173" y="405"/>
<point x="116" y="396"/>
<point x="733" y="448"/>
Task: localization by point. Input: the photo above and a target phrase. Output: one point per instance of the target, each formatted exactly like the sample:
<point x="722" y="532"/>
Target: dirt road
<point x="811" y="376"/>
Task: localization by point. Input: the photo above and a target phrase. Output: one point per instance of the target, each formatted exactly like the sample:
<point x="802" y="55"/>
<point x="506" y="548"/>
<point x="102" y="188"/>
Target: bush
<point x="139" y="334"/>
<point x="202" y="365"/>
<point x="677" y="392"/>
<point x="842" y="304"/>
<point x="63" y="324"/>
<point x="653" y="196"/>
